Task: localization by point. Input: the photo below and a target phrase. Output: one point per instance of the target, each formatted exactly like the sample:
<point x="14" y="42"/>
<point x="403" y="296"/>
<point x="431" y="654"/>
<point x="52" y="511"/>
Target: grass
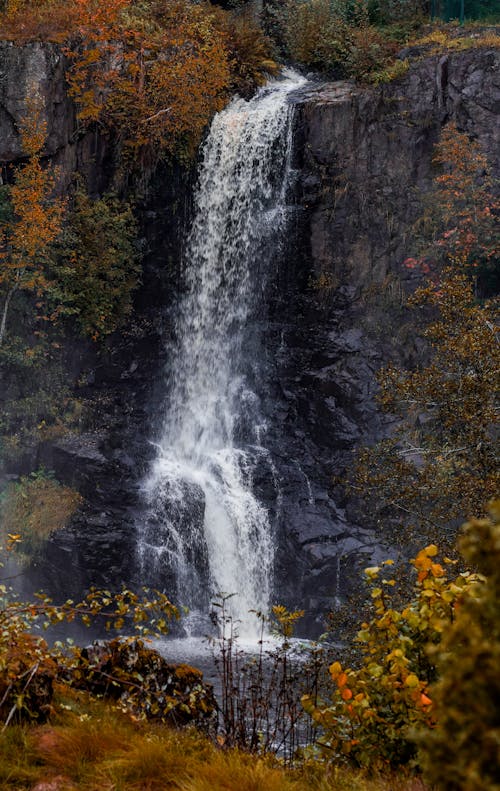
<point x="90" y="746"/>
<point x="457" y="39"/>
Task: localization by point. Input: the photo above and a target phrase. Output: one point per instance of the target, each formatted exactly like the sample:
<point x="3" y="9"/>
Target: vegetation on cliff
<point x="148" y="76"/>
<point x="154" y="72"/>
<point x="33" y="508"/>
<point x="361" y="40"/>
<point x="440" y="462"/>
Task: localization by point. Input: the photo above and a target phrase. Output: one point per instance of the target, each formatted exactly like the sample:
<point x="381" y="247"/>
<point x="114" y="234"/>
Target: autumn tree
<point x="153" y="72"/>
<point x="156" y="81"/>
<point x="460" y="224"/>
<point x="380" y="707"/>
<point x="33" y="223"/>
<point x="439" y="463"/>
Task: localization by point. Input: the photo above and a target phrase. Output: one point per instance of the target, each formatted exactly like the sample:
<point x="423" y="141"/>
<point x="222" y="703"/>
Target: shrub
<point x="377" y="709"/>
<point x="27" y="673"/>
<point x="462" y="752"/>
<point x="369" y="51"/>
<point x="156" y="104"/>
<point x="250" y="52"/>
<point x="337" y="38"/>
<point x="30" y="219"/>
<point x="28" y="666"/>
<point x="145" y="682"/>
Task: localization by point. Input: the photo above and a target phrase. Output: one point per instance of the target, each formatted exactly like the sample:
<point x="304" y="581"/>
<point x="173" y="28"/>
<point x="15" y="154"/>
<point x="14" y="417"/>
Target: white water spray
<point x="205" y="526"/>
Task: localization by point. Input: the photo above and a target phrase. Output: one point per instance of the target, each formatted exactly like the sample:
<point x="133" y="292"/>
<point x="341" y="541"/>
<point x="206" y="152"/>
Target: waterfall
<point x="205" y="531"/>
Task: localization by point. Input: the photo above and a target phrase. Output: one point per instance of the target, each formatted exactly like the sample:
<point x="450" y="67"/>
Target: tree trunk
<point x="3" y="324"/>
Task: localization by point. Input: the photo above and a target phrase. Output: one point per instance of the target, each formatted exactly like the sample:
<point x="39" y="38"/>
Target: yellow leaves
<point x="286" y="619"/>
<point x="388" y="691"/>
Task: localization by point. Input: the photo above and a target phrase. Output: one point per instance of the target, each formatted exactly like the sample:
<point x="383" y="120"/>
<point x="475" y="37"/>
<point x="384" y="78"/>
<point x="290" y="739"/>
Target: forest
<point x="249" y="370"/>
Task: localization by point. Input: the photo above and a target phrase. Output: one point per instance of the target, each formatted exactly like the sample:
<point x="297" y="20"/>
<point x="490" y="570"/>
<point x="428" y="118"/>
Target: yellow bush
<point x="376" y="709"/>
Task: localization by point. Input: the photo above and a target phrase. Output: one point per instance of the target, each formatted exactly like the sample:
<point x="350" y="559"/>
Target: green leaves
<point x="94" y="266"/>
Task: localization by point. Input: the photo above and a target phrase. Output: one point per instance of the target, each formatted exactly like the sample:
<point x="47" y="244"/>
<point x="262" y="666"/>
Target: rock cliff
<point x="364" y="162"/>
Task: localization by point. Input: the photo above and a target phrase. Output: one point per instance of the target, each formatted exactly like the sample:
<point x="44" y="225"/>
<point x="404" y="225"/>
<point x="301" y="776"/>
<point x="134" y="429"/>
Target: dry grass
<point x="233" y="771"/>
<point x="446" y="38"/>
<point x="89" y="746"/>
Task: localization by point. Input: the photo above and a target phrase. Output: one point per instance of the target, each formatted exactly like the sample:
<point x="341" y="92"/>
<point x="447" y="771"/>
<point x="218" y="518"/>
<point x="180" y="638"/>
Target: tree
<point x="34" y="222"/>
<point x="94" y="264"/>
<point x="439" y="464"/>
<point x="460" y="226"/>
<point x="154" y="72"/>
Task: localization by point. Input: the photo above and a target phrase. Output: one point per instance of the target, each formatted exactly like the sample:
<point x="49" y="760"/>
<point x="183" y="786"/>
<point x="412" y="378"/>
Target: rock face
<point x="366" y="156"/>
<point x="119" y="378"/>
<point x="34" y="75"/>
<point x="362" y="157"/>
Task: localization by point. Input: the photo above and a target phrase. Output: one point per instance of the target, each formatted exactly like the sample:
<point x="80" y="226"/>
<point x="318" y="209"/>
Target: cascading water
<point x="205" y="530"/>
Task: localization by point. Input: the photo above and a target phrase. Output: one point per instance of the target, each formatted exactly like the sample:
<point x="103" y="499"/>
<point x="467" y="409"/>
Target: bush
<point x="378" y="708"/>
<point x="146" y="683"/>
<point x="27" y="674"/>
<point x="157" y="104"/>
<point x="462" y="752"/>
<point x="29" y="667"/>
<point x="336" y="38"/>
<point x="369" y="51"/>
<point x="250" y="52"/>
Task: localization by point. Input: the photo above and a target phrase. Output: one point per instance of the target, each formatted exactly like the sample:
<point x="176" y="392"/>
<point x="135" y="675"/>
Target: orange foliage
<point x="54" y="20"/>
<point x="172" y="80"/>
<point x="460" y="225"/>
<point x="155" y="75"/>
<point x="37" y="218"/>
<point x="468" y="206"/>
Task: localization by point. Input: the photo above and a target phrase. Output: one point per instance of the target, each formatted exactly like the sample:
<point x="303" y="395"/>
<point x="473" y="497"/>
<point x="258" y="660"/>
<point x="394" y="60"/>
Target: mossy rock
<point x="146" y="683"/>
